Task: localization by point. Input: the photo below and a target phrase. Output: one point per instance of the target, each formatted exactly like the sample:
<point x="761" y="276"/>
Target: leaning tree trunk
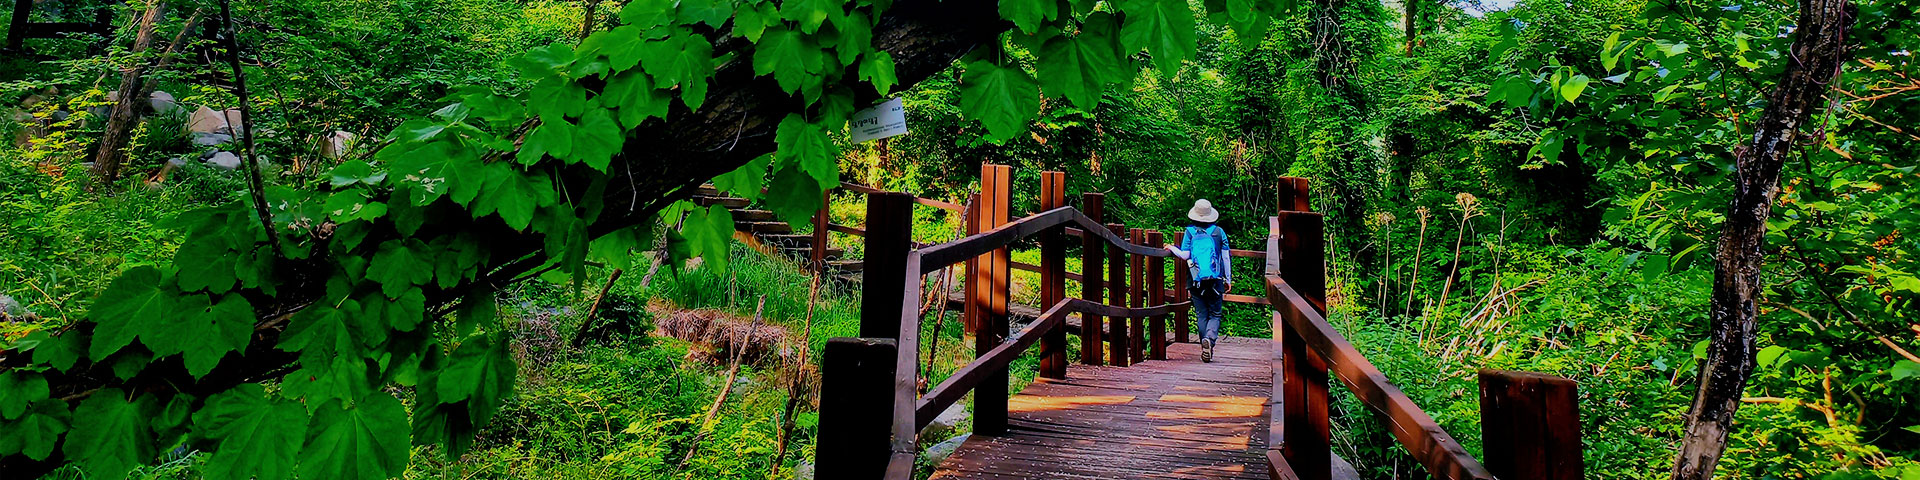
<point x="663" y="162"/>
<point x="108" y="159"/>
<point x="1817" y="55"/>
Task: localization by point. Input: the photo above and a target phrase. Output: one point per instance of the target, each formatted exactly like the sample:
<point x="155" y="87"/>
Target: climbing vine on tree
<point x="280" y="354"/>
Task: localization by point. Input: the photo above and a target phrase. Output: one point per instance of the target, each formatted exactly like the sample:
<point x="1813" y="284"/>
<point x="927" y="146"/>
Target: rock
<point x="337" y="144"/>
<point x="205" y="139"/>
<point x="803" y="470"/>
<point x="9" y="306"/>
<point x="162" y="102"/>
<point x="61" y="115"/>
<point x="233" y="121"/>
<point x="224" y="160"/>
<point x="946" y="422"/>
<point x="940" y="451"/>
<point x="205" y="120"/>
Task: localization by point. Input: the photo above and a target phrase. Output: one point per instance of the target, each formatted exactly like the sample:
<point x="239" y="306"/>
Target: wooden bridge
<point x="1138" y="404"/>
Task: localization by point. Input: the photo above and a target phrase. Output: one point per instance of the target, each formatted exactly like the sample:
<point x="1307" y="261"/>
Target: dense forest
<point x="458" y="238"/>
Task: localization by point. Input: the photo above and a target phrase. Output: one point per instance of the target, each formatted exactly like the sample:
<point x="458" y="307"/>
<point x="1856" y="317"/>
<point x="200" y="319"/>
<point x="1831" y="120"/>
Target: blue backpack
<point x="1208" y="253"/>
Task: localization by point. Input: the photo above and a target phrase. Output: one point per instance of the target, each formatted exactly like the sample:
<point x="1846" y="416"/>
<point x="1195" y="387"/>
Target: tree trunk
<point x="108" y="158"/>
<point x="1413" y="10"/>
<point x="664" y="162"/>
<point x="1817" y="56"/>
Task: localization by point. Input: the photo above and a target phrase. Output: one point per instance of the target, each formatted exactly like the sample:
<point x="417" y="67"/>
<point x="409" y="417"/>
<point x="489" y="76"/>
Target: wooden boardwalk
<point x="1174" y="418"/>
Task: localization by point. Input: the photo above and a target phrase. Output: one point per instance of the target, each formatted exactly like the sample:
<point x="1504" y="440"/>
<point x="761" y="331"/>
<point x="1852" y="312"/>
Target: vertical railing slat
<point x="1053" y="276"/>
<point x="1117" y="337"/>
<point x="1092" y="253"/>
<point x="1157" y="294"/>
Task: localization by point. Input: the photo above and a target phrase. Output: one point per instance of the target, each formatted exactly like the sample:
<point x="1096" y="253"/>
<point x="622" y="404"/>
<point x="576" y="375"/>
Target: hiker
<point x="1204" y="247"/>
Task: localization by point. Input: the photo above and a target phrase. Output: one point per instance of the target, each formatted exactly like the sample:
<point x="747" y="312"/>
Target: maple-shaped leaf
<point x="1029" y="14"/>
<point x="110" y="434"/>
<point x="1080" y="67"/>
<point x="204" y="334"/>
<point x="36" y="430"/>
<point x="258" y="435"/>
<point x="597" y="139"/>
<point x="1165" y="28"/>
<point x="794" y="60"/>
<point x="141" y="299"/>
<point x="806" y="145"/>
<point x="400" y="265"/>
<point x="481" y="373"/>
<point x="1003" y="98"/>
<point x="365" y="441"/>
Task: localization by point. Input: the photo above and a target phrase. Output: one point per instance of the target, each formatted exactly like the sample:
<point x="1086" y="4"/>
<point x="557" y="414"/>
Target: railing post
<point x="1157" y="295"/>
<point x="1302" y="264"/>
<point x="1136" y="295"/>
<point x="889" y="239"/>
<point x="971" y="288"/>
<point x="1053" y="277"/>
<point x="1180" y="282"/>
<point x="1530" y="425"/>
<point x="1117" y="338"/>
<point x="856" y="408"/>
<point x="990" y="397"/>
<point x="817" y="258"/>
<point x="1091" y="288"/>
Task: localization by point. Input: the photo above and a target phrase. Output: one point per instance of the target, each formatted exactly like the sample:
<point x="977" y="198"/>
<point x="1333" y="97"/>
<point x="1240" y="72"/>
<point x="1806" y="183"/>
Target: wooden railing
<point x="870" y="425"/>
<point x="1529" y="422"/>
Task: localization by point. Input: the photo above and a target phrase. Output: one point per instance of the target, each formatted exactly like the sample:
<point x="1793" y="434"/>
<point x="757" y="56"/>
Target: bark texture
<point x="663" y="162"/>
<point x="125" y="112"/>
<point x="1817" y="55"/>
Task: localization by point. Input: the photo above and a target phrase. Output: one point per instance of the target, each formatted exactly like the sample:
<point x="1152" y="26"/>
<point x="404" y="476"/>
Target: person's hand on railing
<point x="1228" y="290"/>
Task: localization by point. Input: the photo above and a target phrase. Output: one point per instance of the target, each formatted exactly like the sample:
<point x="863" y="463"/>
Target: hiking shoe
<point x="1206" y="351"/>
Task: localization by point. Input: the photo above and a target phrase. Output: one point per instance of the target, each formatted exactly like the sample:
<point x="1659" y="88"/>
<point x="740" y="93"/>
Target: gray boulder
<point x="205" y="120"/>
<point x="163" y="102"/>
<point x="206" y="139"/>
<point x="803" y="470"/>
<point x="9" y="306"/>
<point x="948" y="420"/>
<point x="224" y="160"/>
<point x="940" y="451"/>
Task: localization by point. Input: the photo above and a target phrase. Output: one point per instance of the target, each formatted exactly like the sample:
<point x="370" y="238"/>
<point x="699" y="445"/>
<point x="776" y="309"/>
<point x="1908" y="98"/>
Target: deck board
<point x="1176" y="418"/>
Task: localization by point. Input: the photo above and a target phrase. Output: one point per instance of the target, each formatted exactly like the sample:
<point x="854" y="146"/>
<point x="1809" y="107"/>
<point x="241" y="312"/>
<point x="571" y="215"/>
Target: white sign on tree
<point x="882" y="121"/>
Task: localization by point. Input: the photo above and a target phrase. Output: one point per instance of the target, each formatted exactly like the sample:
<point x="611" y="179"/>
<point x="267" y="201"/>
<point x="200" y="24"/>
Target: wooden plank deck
<point x="1174" y="418"/>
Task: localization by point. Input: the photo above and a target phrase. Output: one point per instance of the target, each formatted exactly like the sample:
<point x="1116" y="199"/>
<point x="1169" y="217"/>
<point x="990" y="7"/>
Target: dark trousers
<point x="1208" y="296"/>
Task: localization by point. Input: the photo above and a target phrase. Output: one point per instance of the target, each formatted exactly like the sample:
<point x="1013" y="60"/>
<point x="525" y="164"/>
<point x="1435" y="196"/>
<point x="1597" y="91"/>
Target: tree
<point x="1817" y="56"/>
<point x="387" y="275"/>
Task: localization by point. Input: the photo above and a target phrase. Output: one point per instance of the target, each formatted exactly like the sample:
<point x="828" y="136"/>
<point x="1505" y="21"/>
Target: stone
<point x="163" y="102"/>
<point x="206" y="120"/>
<point x="940" y="451"/>
<point x="233" y="118"/>
<point x="9" y="306"/>
<point x="803" y="470"/>
<point x="205" y="139"/>
<point x="947" y="422"/>
<point x="336" y="145"/>
<point x="224" y="160"/>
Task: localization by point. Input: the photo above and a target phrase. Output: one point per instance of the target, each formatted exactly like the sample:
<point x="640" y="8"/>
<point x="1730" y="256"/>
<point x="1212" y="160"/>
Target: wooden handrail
<point x="949" y="206"/>
<point x="942" y="255"/>
<point x="1416" y="431"/>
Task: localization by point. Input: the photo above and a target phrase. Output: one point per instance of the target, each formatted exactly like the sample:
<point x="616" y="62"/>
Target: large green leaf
<point x="679" y="59"/>
<point x="1003" y="98"/>
<point x="877" y="68"/>
<point x="110" y="434"/>
<point x="365" y="441"/>
<point x="1029" y="14"/>
<point x="18" y="390"/>
<point x="709" y="230"/>
<point x="437" y="169"/>
<point x="746" y="181"/>
<point x="1080" y="67"/>
<point x="36" y="431"/>
<point x="714" y="13"/>
<point x="204" y="335"/>
<point x="60" y="352"/>
<point x="809" y="14"/>
<point x="597" y="139"/>
<point x="139" y="301"/>
<point x="400" y="265"/>
<point x="794" y="195"/>
<point x="636" y="98"/>
<point x="753" y="18"/>
<point x="794" y="60"/>
<point x="806" y="145"/>
<point x="553" y="137"/>
<point x="513" y="195"/>
<point x="1165" y="28"/>
<point x="481" y="373"/>
<point x="322" y="332"/>
<point x="556" y="97"/>
<point x="258" y="435"/>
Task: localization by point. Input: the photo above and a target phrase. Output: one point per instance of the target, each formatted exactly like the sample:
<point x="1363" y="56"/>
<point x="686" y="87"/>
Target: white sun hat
<point x="1203" y="212"/>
